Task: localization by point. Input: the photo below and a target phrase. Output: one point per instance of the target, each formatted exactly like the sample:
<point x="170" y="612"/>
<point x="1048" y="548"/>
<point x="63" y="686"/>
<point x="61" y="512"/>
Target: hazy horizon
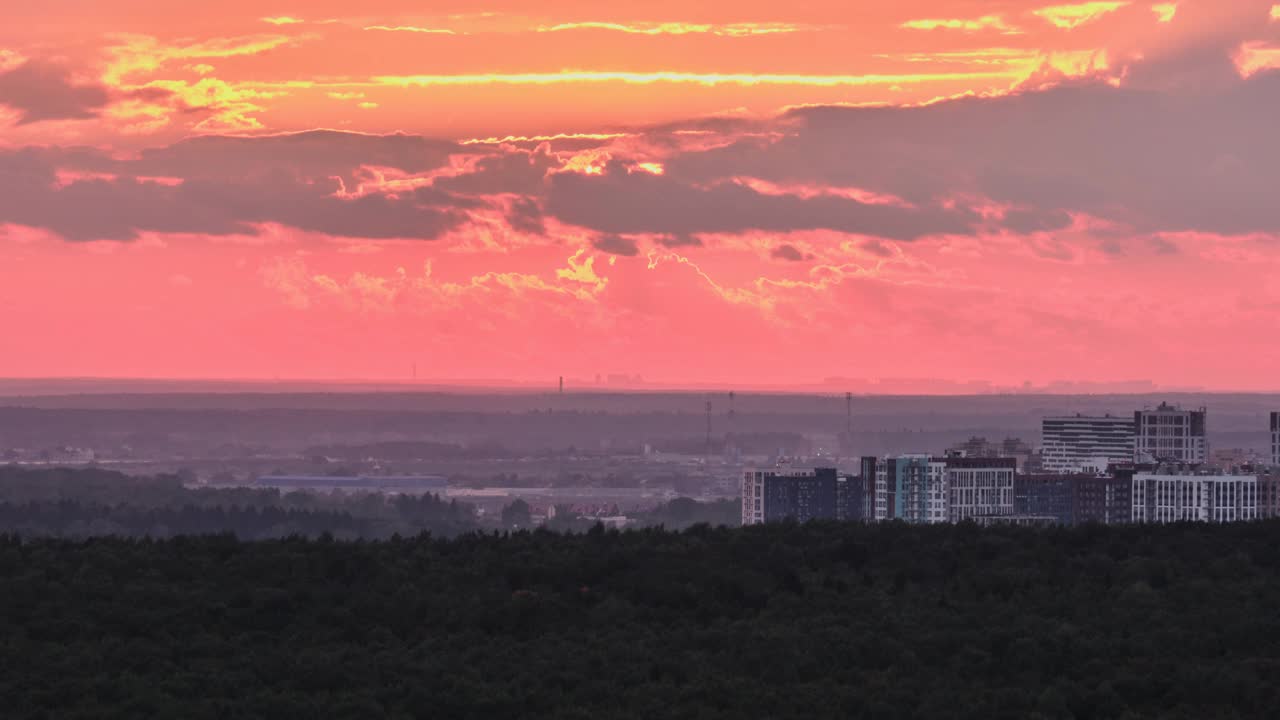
<point x="605" y="384"/>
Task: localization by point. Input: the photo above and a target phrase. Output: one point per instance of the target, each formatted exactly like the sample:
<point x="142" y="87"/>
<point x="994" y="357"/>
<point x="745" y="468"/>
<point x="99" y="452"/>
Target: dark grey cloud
<point x="875" y="247"/>
<point x="1203" y="160"/>
<point x="45" y="91"/>
<point x="788" y="252"/>
<point x="622" y="201"/>
<point x="1031" y="221"/>
<point x="509" y="171"/>
<point x="121" y="207"/>
<point x="525" y="216"/>
<point x="616" y="245"/>
<point x="311" y="154"/>
<point x="1171" y="151"/>
<point x="679" y="241"/>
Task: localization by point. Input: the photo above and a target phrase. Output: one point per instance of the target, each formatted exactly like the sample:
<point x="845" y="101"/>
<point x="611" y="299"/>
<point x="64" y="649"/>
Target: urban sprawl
<point x="1149" y="468"/>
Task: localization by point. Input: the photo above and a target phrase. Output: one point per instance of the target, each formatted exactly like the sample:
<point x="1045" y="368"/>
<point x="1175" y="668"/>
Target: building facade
<point x="920" y="488"/>
<point x="1046" y="495"/>
<point x="1275" y="439"/>
<point x="1166" y="498"/>
<point x="777" y="494"/>
<point x="851" y="498"/>
<point x="1105" y="499"/>
<point x="979" y="487"/>
<point x="1269" y="495"/>
<point x="1076" y="499"/>
<point x="911" y="488"/>
<point x="1169" y="434"/>
<point x="1079" y="443"/>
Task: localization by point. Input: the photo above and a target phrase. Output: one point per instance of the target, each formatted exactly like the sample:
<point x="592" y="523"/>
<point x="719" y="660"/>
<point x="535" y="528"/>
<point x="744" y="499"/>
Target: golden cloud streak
<point x="985" y="56"/>
<point x="1165" y="11"/>
<point x="730" y="30"/>
<point x="411" y="29"/>
<point x="543" y="138"/>
<point x="986" y="22"/>
<point x="142" y="53"/>
<point x="1069" y="17"/>
<point x="648" y="78"/>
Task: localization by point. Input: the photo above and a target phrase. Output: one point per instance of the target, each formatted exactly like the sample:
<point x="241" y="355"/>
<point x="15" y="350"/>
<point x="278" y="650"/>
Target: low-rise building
<point x="1076" y="498"/>
<point x="1177" y="495"/>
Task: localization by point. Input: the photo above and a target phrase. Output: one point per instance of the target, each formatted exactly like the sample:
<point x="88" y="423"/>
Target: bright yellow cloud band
<point x="646" y="78"/>
<point x="732" y="30"/>
<point x="1072" y="16"/>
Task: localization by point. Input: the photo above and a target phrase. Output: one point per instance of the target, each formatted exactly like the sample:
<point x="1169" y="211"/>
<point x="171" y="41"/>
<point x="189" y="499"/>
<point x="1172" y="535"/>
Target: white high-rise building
<point x="1166" y="498"/>
<point x="1170" y="434"/>
<point x="979" y="487"/>
<point x="912" y="488"/>
<point x="1079" y="443"/>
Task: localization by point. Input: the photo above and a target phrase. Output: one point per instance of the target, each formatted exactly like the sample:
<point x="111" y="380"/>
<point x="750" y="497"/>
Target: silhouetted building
<point x="1275" y="439"/>
<point x="1046" y="495"/>
<point x="1079" y="443"/>
<point x="1105" y="499"/>
<point x="1076" y="498"/>
<point x="974" y="447"/>
<point x="980" y="447"/>
<point x="1180" y="496"/>
<point x="778" y="494"/>
<point x="1170" y="434"/>
<point x="851" y="498"/>
<point x="1269" y="495"/>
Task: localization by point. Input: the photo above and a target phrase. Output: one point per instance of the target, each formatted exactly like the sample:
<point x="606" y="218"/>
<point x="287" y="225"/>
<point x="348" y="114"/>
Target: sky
<point x="912" y="195"/>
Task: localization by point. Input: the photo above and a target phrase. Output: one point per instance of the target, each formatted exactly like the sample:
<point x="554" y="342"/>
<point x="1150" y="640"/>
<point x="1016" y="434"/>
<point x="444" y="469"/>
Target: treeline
<point x="781" y="621"/>
<point x="404" y="451"/>
<point x="81" y="503"/>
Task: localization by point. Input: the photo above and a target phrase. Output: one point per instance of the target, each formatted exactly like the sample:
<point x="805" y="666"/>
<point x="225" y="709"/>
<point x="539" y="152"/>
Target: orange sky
<point x="746" y="192"/>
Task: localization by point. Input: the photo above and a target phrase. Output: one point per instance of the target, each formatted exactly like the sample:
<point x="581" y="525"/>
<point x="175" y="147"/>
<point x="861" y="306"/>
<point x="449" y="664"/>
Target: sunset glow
<point x="750" y="192"/>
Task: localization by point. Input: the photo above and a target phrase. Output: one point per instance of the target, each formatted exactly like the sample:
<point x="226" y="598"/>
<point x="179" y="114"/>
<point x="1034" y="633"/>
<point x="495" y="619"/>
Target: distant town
<point x="572" y="460"/>
<point x="1153" y="467"/>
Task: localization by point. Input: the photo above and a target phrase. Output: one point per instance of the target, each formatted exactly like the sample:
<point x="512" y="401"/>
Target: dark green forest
<point x="783" y="621"/>
<point x="80" y="503"/>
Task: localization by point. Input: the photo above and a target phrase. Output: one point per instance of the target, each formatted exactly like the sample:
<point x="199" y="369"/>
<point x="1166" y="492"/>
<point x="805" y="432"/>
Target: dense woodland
<point x="820" y="620"/>
<point x="83" y="503"/>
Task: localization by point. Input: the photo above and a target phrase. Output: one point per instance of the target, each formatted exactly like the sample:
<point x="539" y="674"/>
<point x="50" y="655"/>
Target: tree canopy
<point x="781" y="621"/>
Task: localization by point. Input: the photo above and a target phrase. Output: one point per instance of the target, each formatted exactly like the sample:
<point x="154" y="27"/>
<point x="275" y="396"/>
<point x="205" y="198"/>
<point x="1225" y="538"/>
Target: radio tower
<point x="846" y="444"/>
<point x="708" y="428"/>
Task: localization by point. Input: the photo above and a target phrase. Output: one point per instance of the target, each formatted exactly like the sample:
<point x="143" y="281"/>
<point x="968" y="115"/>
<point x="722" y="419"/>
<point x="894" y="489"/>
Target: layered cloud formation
<point x="1036" y="193"/>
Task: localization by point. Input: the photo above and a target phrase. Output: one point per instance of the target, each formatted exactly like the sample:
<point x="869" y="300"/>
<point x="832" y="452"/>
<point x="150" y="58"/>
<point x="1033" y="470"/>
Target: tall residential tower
<point x="1170" y="434"/>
